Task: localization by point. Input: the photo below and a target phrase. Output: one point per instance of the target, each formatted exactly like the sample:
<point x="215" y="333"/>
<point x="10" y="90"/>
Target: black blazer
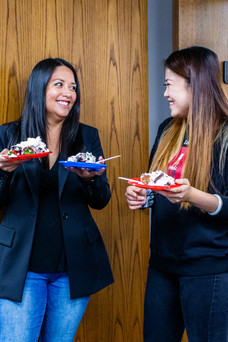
<point x="88" y="265"/>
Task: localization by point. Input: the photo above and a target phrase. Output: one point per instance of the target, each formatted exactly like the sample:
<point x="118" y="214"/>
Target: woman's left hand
<point x="85" y="173"/>
<point x="179" y="194"/>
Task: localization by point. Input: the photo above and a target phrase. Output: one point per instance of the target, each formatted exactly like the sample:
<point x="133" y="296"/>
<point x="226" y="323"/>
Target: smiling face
<point x="60" y="94"/>
<point x="177" y="93"/>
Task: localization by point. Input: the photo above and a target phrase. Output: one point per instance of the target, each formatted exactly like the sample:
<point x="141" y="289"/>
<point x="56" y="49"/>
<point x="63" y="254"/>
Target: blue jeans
<point x="197" y="303"/>
<point x="46" y="310"/>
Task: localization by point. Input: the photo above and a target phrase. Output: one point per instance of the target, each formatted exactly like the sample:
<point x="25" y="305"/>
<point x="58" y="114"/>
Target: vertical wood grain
<point x="203" y="23"/>
<point x="106" y="40"/>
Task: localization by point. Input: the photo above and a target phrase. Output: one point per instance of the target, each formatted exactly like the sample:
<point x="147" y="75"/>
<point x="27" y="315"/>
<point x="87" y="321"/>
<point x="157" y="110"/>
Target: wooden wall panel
<point x="107" y="42"/>
<point x="201" y="22"/>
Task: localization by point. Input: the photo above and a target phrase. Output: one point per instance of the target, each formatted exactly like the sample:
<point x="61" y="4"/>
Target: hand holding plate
<point x="85" y="172"/>
<point x="4" y="163"/>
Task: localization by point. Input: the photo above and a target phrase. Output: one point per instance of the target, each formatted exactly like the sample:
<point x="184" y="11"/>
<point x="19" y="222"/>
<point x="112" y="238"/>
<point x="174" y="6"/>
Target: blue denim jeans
<point x="197" y="303"/>
<point x="46" y="310"/>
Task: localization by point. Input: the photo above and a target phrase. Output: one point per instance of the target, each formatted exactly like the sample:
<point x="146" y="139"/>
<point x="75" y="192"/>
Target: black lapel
<point x="31" y="169"/>
<point x="62" y="176"/>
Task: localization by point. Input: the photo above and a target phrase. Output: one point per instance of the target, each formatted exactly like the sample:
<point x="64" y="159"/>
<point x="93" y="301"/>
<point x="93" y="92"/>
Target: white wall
<point x="160" y="47"/>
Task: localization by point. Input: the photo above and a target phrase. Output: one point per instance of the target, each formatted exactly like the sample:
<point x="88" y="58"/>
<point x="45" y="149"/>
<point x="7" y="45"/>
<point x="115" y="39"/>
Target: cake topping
<point x="85" y="157"/>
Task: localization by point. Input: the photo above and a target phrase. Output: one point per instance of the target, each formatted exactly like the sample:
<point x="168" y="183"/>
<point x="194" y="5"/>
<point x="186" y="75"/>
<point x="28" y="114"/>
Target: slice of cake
<point x="30" y="146"/>
<point x="85" y="157"/>
<point x="158" y="178"/>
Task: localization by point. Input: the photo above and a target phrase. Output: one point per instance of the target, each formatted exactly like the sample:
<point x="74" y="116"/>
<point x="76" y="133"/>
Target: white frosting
<point x="34" y="143"/>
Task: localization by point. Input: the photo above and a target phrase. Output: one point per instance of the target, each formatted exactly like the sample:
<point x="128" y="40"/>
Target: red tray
<point x="26" y="156"/>
<point x="151" y="187"/>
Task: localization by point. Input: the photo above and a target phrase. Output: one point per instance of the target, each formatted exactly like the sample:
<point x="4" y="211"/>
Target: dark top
<point x="48" y="252"/>
<point x="190" y="242"/>
<point x="88" y="266"/>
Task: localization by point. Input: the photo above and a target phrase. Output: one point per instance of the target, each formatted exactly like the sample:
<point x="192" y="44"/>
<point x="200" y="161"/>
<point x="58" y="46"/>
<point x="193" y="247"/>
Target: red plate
<point x="151" y="187"/>
<point x="27" y="156"/>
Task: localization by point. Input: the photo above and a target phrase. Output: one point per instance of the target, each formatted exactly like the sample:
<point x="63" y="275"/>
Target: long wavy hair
<point x="207" y="120"/>
<point x="33" y="120"/>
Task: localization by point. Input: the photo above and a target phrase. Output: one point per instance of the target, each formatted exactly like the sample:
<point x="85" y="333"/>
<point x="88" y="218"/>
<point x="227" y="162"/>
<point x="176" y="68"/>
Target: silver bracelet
<point x="219" y="206"/>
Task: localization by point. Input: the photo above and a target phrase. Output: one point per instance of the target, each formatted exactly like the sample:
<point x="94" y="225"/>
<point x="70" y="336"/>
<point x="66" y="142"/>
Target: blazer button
<point x="65" y="216"/>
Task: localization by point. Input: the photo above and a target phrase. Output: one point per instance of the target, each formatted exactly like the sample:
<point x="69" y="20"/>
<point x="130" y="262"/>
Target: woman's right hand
<point x="136" y="197"/>
<point x="6" y="165"/>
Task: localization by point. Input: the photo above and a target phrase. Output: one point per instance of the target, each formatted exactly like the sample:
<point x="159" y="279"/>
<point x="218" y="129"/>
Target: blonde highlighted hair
<point x="207" y="119"/>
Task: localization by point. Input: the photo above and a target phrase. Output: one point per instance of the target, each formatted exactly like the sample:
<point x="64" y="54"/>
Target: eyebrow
<point x="60" y="79"/>
<point x="168" y="79"/>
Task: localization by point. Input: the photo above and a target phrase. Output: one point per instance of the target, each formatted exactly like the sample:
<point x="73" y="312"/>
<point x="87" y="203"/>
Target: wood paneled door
<point x="203" y="23"/>
<point x="106" y="40"/>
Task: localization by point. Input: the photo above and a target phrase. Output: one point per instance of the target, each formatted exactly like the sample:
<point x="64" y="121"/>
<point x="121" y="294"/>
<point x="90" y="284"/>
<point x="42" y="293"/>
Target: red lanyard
<point x="175" y="166"/>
